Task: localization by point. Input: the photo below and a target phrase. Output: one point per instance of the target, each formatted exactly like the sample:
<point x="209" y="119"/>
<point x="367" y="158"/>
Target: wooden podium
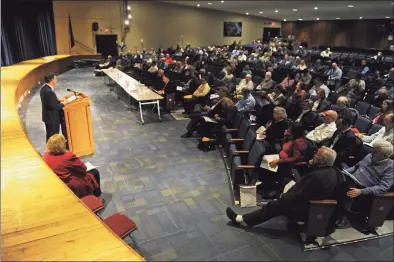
<point x="79" y="125"/>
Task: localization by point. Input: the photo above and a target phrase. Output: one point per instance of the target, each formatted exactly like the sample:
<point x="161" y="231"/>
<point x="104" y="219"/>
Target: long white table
<point x="139" y="92"/>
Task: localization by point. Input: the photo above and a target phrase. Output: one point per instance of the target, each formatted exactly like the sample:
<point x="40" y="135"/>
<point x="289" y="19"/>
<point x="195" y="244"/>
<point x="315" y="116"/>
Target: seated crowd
<point x="314" y="111"/>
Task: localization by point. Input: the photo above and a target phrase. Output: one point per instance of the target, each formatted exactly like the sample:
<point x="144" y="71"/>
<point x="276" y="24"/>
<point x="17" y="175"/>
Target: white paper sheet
<point x="179" y="88"/>
<point x="352" y="177"/>
<point x="89" y="166"/>
<point x="71" y="98"/>
<point x="266" y="160"/>
<point x="209" y="120"/>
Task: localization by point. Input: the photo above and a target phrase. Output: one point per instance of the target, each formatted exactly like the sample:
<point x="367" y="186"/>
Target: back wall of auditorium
<point x="158" y="24"/>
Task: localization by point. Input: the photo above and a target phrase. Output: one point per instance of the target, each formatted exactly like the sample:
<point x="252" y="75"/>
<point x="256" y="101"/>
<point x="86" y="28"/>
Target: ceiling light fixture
<point x="247" y="13"/>
<point x="222" y="2"/>
<point x="209" y="3"/>
<point x="284" y="19"/>
<point x="337" y="18"/>
<point x="129" y="16"/>
<point x="260" y="12"/>
<point x="295" y="10"/>
<point x="316" y="8"/>
<point x="318" y="18"/>
<point x="128" y="7"/>
<point x="276" y="11"/>
<point x="361" y="17"/>
<point x="350" y="6"/>
<point x="198" y="5"/>
<point x="300" y="19"/>
<point x="388" y="17"/>
<point x="126" y="22"/>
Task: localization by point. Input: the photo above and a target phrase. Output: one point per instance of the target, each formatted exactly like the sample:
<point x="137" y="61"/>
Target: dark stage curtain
<point x="28" y="31"/>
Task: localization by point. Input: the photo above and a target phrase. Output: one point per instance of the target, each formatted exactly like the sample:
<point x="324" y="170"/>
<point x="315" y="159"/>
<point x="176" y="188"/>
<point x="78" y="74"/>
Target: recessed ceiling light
<point x="198" y="5"/>
<point x="295" y="10"/>
<point x="209" y="3"/>
<point x="260" y="12"/>
<point x="337" y="18"/>
<point x="276" y="11"/>
<point x="388" y="17"/>
<point x="247" y="13"/>
<point x="318" y="18"/>
<point x="300" y="19"/>
<point x="350" y="6"/>
<point x="316" y="8"/>
<point x="361" y="17"/>
<point x="222" y="2"/>
<point x="284" y="19"/>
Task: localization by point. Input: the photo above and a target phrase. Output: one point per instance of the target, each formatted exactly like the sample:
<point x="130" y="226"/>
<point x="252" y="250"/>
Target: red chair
<point x="122" y="226"/>
<point x="93" y="203"/>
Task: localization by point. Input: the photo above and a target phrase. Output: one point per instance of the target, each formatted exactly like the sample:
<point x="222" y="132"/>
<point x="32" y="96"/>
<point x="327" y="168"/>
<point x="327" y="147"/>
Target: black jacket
<point x="225" y="114"/>
<point x="323" y="106"/>
<point x="344" y="112"/>
<point x="52" y="112"/>
<point x="347" y="145"/>
<point x="276" y="131"/>
<point x="308" y="120"/>
<point x="265" y="114"/>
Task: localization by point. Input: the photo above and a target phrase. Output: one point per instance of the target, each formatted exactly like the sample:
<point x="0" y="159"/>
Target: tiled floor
<point x="176" y="194"/>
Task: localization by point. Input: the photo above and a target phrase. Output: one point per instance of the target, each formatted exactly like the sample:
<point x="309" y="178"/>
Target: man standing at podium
<point x="52" y="107"/>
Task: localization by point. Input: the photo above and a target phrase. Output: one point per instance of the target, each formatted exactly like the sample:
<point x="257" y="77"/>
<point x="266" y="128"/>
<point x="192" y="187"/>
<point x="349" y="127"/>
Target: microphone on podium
<point x="75" y="92"/>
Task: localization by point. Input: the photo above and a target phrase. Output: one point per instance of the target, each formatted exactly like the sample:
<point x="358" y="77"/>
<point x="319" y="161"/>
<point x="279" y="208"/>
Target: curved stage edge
<point x="41" y="219"/>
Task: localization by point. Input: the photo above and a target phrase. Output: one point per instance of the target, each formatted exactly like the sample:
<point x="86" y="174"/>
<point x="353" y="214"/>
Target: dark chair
<point x="242" y="150"/>
<point x="363" y="124"/>
<point x="237" y="80"/>
<point x="375" y="128"/>
<point x="373" y="111"/>
<point x="362" y="107"/>
<point x="235" y="135"/>
<point x="353" y="117"/>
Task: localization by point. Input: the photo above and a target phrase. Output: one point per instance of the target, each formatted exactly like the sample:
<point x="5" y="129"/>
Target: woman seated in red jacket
<point x="387" y="108"/>
<point x="293" y="151"/>
<point x="70" y="169"/>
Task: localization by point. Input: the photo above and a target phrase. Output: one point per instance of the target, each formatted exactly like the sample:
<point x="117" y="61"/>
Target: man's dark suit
<point x="308" y="120"/>
<point x="323" y="106"/>
<point x="51" y="111"/>
<point x="347" y="145"/>
<point x="319" y="184"/>
<point x="343" y="112"/>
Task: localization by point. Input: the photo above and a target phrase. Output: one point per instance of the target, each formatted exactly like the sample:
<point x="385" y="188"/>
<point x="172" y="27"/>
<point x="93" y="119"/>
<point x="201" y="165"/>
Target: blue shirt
<point x="365" y="70"/>
<point x="246" y="105"/>
<point x="376" y="178"/>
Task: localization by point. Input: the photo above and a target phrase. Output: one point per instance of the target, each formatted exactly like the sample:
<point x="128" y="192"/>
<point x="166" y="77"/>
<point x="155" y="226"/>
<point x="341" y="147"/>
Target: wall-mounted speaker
<point x="95" y="26"/>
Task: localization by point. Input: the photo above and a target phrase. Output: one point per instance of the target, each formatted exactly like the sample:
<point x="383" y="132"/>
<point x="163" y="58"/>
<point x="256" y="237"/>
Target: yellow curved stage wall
<point x="41" y="219"/>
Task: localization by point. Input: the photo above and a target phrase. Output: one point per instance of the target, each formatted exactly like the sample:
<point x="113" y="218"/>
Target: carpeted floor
<point x="176" y="194"/>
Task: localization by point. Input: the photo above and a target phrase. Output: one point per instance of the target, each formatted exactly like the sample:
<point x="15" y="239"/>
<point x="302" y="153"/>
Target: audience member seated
<point x="307" y="118"/>
<point x="228" y="76"/>
<point x="334" y="77"/>
<point x="380" y="97"/>
<point x="300" y="90"/>
<point x="246" y="70"/>
<point x="245" y="83"/>
<point x="110" y="62"/>
<point x="198" y="97"/>
<point x="305" y="77"/>
<point x="356" y="89"/>
<point x="387" y="108"/>
<point x="267" y="83"/>
<point x="326" y="130"/>
<point x="302" y="66"/>
<point x="321" y="104"/>
<point x="247" y="103"/>
<point x="266" y="112"/>
<point x="317" y="83"/>
<point x="319" y="184"/>
<point x="288" y="82"/>
<point x="317" y="68"/>
<point x="275" y="131"/>
<point x="153" y="68"/>
<point x="168" y="60"/>
<point x="378" y="58"/>
<point x="278" y="96"/>
<point x="342" y="107"/>
<point x="385" y="133"/>
<point x="326" y="53"/>
<point x="70" y="169"/>
<point x="222" y="114"/>
<point x="364" y="69"/>
<point x="344" y="141"/>
<point x="285" y="62"/>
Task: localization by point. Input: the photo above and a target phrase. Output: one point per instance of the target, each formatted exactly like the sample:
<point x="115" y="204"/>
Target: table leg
<point x="158" y="109"/>
<point x="142" y="119"/>
<point x="129" y="109"/>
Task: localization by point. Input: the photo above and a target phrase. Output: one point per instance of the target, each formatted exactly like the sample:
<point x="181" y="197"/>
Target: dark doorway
<point x="270" y="33"/>
<point x="106" y="45"/>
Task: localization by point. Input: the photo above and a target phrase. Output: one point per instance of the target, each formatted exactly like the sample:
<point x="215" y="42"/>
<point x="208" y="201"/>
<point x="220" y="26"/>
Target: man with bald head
<point x="326" y="130"/>
<point x="267" y="83"/>
<point x="334" y="76"/>
<point x="245" y="83"/>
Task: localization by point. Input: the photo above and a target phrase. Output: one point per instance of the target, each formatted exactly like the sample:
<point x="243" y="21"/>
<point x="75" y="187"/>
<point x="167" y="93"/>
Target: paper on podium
<point x="71" y="98"/>
<point x="188" y="97"/>
<point x="89" y="166"/>
<point x="209" y="120"/>
<point x="266" y="160"/>
<point x="179" y="88"/>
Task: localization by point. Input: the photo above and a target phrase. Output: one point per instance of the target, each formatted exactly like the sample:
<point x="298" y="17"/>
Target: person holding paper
<point x="385" y="133"/>
<point x="319" y="184"/>
<point x="247" y="103"/>
<point x="326" y="130"/>
<point x="275" y="131"/>
<point x="198" y="97"/>
<point x="70" y="169"/>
